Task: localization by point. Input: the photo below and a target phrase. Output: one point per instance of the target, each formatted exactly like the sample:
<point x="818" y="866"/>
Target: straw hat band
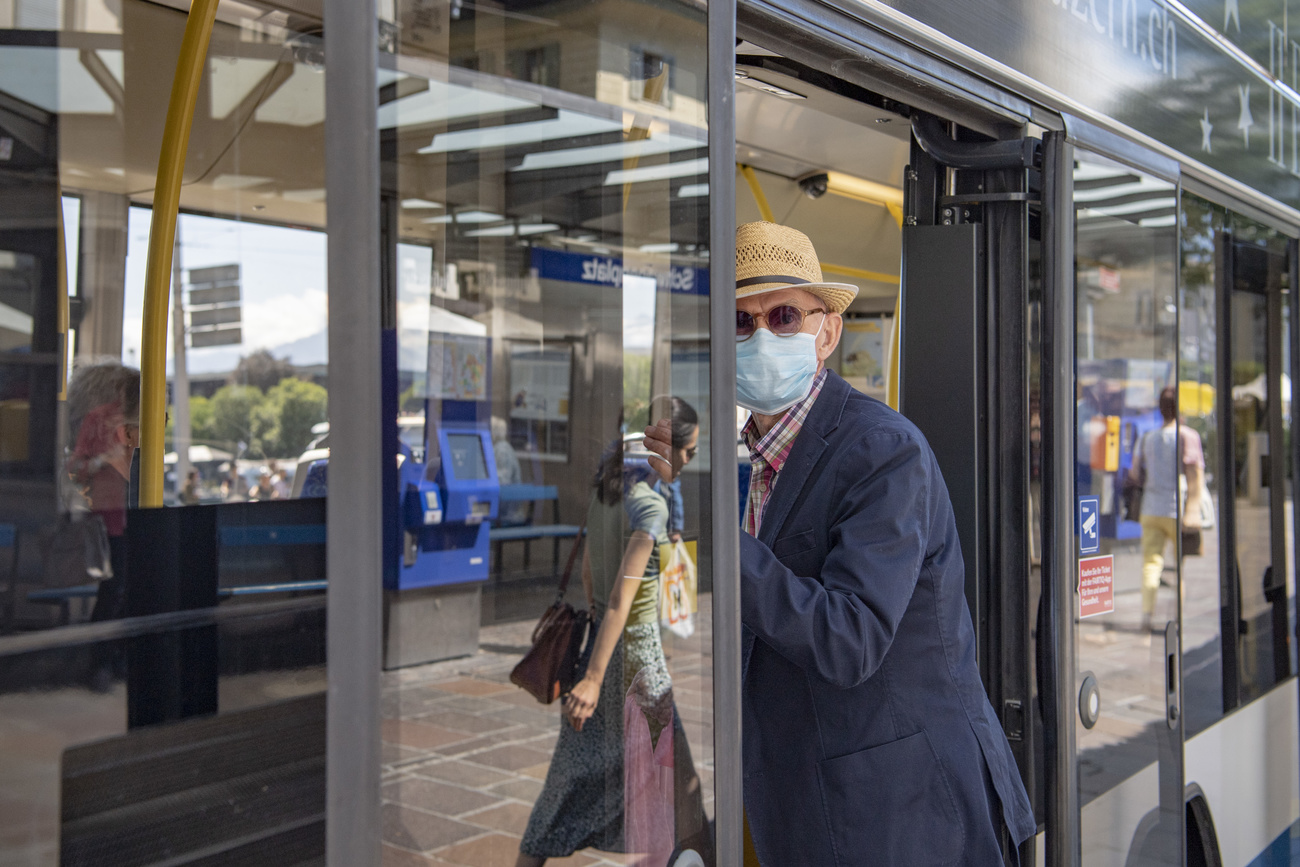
<point x="772" y="278"/>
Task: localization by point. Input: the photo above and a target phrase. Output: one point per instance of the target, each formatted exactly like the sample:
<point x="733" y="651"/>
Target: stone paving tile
<point x="511" y="817"/>
<point x="523" y="788"/>
<point x="472" y="704"/>
<point x="463" y="774"/>
<point x="420" y="831"/>
<point x="475" y="687"/>
<point x="511" y="757"/>
<point x="435" y="797"/>
<point x="392" y="856"/>
<point x="474" y="745"/>
<point x="490" y="850"/>
<point x="473" y="723"/>
<point x="409" y="733"/>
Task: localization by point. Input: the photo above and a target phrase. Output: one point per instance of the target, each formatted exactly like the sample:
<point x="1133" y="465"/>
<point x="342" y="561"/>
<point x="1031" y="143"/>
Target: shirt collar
<point x="774" y="447"/>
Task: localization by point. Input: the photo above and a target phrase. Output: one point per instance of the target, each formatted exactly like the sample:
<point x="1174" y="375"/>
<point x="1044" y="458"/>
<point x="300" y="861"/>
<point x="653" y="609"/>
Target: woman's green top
<point x="608" y="529"/>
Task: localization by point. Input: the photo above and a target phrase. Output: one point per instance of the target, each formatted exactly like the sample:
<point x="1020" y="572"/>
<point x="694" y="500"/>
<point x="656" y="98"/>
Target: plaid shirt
<point x="767" y="454"/>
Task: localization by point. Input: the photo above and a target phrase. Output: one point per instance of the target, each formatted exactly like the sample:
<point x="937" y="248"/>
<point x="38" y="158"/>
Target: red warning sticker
<point x="1096" y="586"/>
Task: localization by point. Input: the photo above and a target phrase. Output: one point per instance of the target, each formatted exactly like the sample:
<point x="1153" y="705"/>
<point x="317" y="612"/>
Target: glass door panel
<point x="1257" y="262"/>
<point x="546" y="217"/>
<point x="1127" y="598"/>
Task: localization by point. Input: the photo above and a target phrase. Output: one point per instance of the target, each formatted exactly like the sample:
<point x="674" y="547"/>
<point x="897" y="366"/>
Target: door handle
<point x="1173" y="702"/>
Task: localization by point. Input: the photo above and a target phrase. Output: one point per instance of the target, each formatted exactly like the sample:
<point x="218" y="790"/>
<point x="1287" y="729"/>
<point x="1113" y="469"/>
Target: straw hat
<point x="770" y="257"/>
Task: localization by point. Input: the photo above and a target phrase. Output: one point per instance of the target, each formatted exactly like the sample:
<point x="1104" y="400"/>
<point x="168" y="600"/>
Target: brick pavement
<point x="465" y="751"/>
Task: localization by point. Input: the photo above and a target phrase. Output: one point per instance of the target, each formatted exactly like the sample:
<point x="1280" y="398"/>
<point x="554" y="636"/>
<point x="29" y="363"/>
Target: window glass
<point x="217" y="608"/>
<point x="545" y="181"/>
<point x="1203" y="225"/>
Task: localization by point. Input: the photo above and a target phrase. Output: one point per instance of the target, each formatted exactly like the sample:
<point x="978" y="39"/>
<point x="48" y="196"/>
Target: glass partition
<point x="1127" y="599"/>
<point x="126" y="630"/>
<point x="546" y="217"/>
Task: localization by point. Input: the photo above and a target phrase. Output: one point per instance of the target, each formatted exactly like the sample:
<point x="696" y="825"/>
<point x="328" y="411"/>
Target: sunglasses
<point x="783" y="320"/>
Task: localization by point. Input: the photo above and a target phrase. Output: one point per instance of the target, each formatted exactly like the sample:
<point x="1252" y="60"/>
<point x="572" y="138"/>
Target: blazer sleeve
<point x="840" y="627"/>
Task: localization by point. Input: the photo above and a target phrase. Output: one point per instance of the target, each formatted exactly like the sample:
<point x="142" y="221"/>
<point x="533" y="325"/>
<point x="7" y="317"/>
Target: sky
<point x="282" y="273"/>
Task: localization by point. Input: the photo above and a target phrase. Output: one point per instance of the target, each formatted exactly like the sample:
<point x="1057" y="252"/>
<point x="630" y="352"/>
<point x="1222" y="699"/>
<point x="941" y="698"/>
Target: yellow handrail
<point x="756" y="189"/>
<point x="162" y="234"/>
<point x="861" y="273"/>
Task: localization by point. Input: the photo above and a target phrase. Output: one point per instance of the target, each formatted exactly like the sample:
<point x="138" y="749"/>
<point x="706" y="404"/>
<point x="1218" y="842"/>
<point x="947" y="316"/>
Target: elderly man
<point x="868" y="738"/>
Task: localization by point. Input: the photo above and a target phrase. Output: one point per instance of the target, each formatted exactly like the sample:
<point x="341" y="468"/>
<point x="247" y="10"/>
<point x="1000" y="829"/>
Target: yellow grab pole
<point x="860" y="273"/>
<point x="162" y="234"/>
<point x="895" y="345"/>
<point x="756" y="189"/>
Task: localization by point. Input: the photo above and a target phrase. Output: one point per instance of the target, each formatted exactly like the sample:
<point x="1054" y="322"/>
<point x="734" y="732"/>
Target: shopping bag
<point x="678" y="588"/>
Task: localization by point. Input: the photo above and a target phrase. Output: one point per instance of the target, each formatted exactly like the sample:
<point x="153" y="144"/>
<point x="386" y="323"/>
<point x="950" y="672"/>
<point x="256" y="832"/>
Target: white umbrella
<point x="200" y="454"/>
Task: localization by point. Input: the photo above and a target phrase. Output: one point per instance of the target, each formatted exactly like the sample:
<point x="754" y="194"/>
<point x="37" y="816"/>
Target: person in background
<point x="234" y="489"/>
<point x="104" y="429"/>
<point x="583" y="802"/>
<point x="280" y="487"/>
<point x="1163" y="455"/>
<point x="190" y="492"/>
<point x="265" y="488"/>
<point x="511" y="514"/>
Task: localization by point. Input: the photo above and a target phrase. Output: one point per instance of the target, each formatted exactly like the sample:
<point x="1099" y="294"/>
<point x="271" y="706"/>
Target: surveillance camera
<point x="814" y="185"/>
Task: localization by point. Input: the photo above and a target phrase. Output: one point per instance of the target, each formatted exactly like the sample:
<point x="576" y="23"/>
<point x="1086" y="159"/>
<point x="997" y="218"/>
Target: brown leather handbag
<point x="556" y="660"/>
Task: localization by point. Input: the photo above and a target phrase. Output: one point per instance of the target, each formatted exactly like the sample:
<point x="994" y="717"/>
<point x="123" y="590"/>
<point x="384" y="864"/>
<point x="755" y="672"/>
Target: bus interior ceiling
<point x="792" y="124"/>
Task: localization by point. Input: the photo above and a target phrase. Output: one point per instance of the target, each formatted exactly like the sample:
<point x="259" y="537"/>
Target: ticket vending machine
<point x="432" y="600"/>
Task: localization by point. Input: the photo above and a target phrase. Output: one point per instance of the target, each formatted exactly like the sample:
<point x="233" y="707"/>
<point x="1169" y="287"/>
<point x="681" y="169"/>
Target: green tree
<point x="200" y="418"/>
<point x="233" y="408"/>
<point x="261" y="369"/>
<point x="284" y="421"/>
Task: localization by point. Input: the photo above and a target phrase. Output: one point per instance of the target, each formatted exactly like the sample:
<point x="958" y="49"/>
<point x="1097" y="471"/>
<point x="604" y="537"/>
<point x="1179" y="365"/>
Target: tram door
<point x="1125" y="609"/>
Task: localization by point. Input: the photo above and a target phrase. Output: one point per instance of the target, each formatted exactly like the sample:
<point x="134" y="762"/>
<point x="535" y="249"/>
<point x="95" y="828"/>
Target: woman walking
<point x="582" y="803"/>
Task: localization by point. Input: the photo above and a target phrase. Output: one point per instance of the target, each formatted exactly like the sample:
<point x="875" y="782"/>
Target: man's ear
<point x="830" y="336"/>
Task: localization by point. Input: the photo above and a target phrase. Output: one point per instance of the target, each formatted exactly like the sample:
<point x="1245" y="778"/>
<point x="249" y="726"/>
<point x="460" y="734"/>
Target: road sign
<point x="216" y="314"/>
<point x="1089" y="525"/>
<point x="1096" y="586"/>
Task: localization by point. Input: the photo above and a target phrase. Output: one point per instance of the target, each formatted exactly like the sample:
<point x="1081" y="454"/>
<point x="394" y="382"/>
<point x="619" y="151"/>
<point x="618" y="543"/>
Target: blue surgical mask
<point x="774" y="373"/>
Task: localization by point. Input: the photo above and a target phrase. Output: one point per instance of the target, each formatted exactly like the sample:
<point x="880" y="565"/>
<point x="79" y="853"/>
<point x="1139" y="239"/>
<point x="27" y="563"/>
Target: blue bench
<point x="237" y="536"/>
<point x="529" y="533"/>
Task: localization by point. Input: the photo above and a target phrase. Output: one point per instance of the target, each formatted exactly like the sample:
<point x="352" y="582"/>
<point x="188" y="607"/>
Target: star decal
<point x="1231" y="12"/>
<point x="1245" y="121"/>
<point x="1206" y="128"/>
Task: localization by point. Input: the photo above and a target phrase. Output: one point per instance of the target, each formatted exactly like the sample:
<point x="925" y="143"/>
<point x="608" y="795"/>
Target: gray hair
<point x="98" y="382"/>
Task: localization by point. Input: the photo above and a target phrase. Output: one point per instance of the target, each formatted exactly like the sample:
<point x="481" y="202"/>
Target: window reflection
<point x="1126" y="342"/>
<point x="1198" y="389"/>
<point x="546" y="174"/>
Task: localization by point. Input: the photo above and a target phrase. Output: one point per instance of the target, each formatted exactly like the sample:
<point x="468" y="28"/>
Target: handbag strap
<point x="568" y="566"/>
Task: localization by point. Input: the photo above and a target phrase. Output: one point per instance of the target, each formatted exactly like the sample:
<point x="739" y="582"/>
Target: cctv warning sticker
<point x="1096" y="586"/>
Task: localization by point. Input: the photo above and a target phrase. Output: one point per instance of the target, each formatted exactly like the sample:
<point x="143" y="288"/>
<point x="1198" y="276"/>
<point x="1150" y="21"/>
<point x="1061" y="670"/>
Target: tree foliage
<point x="262" y="370"/>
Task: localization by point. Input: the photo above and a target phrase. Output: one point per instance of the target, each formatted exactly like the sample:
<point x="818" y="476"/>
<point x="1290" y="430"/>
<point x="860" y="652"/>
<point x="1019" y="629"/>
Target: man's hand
<point x="659" y="442"/>
<point x="581" y="703"/>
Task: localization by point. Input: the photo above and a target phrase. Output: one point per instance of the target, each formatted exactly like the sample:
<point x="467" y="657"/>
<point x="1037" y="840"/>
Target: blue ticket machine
<point x="433" y="598"/>
<point x="447" y="508"/>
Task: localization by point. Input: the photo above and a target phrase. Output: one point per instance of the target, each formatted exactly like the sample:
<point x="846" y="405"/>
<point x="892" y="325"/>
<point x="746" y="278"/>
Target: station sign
<point x="609" y="270"/>
<point x="1096" y="586"/>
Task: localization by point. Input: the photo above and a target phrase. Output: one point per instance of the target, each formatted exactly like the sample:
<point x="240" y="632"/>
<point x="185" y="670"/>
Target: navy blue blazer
<point x="868" y="737"/>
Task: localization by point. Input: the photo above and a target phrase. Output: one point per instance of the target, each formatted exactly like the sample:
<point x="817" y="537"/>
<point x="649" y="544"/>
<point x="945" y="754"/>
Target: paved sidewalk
<point x="465" y="751"/>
